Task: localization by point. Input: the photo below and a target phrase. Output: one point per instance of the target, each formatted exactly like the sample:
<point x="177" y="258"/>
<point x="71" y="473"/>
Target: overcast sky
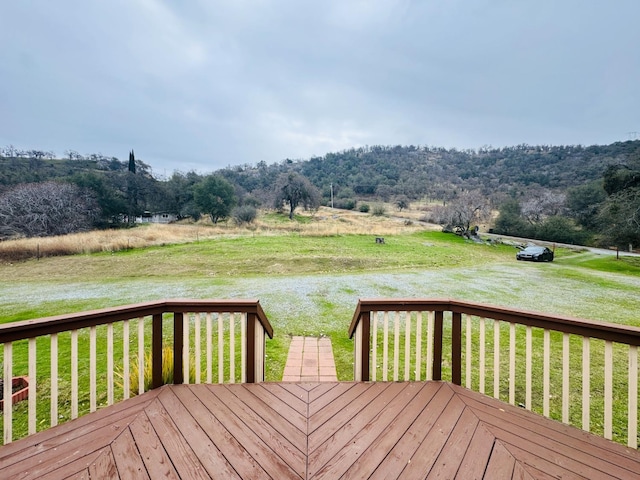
<point x="202" y="84"/>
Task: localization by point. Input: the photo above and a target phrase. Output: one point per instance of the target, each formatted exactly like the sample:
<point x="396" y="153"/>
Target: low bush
<point x="244" y="215"/>
<point x="379" y="211"/>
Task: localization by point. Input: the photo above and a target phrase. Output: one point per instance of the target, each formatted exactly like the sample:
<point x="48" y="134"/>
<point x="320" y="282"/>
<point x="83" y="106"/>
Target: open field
<point x="309" y="275"/>
<point x="309" y="279"/>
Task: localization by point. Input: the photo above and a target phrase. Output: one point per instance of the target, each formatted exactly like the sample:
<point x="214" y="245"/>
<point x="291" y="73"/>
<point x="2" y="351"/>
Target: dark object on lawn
<point x="535" y="253"/>
<point x="379" y="239"/>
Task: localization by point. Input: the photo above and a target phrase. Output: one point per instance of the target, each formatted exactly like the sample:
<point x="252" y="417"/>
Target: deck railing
<point x="580" y="372"/>
<point x="76" y="362"/>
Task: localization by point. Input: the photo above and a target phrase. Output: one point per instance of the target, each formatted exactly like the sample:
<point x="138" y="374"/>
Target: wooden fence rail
<point x="80" y="360"/>
<point x="578" y="371"/>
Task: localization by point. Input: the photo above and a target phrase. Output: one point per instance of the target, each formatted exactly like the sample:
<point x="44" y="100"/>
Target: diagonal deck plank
<point x="272" y="414"/>
<point x="267" y="452"/>
<point x="155" y="458"/>
<point x="127" y="457"/>
<point x="378" y="448"/>
<point x="184" y="459"/>
<point x="333" y="457"/>
<point x="349" y="430"/>
<point x="293" y="454"/>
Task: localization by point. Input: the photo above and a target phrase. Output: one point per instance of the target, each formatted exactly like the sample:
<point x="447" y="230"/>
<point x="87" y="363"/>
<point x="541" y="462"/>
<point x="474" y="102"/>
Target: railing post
<point x="156" y="351"/>
<point x="362" y="344"/>
<point x="437" y="344"/>
<point x="178" y="347"/>
<point x="250" y="340"/>
<point x="456" y="348"/>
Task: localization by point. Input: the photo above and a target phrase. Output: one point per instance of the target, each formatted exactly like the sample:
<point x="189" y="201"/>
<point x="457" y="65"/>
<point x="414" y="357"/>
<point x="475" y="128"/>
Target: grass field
<point x="309" y="279"/>
<point x="310" y="273"/>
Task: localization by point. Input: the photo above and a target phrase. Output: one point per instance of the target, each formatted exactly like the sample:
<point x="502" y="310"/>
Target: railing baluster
<point x="512" y="363"/>
<point x="482" y="354"/>
<point x="92" y="370"/>
<point x="608" y="389"/>
<point x="74" y="373"/>
<point x="32" y="386"/>
<point x="125" y="360"/>
<point x="232" y="348"/>
<point x="141" y="355"/>
<point x="7" y="410"/>
<point x="385" y="347"/>
<point x="396" y="345"/>
<point x="528" y="367"/>
<point x="586" y="383"/>
<point x="110" y="364"/>
<point x="407" y="345"/>
<point x="468" y="352"/>
<point x="632" y="416"/>
<point x="209" y="349"/>
<point x="565" y="378"/>
<point x="197" y="346"/>
<point x="430" y="341"/>
<point x="374" y="347"/>
<point x="220" y="349"/>
<point x="186" y="348"/>
<point x="496" y="359"/>
<point x="418" y="373"/>
<point x="54" y="380"/>
<point x="546" y="372"/>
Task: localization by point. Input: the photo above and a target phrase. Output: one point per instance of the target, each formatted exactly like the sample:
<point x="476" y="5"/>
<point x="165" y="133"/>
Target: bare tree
<point x="48" y="208"/>
<point x="467" y="209"/>
<point x="542" y="205"/>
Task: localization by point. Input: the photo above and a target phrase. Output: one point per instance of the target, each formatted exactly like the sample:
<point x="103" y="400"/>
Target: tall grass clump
<point x="379" y="211"/>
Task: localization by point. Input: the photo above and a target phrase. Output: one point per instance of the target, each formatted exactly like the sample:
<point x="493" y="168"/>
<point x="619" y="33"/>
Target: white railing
<point x="78" y="362"/>
<point x="580" y="372"/>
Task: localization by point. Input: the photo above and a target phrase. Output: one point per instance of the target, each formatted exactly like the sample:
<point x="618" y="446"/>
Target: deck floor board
<point x="311" y="431"/>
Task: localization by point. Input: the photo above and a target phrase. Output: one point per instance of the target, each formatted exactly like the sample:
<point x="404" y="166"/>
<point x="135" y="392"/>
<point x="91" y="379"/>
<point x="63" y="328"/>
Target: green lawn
<point x="310" y="285"/>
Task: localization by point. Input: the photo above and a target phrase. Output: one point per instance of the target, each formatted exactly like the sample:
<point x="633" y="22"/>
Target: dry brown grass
<point x="324" y="222"/>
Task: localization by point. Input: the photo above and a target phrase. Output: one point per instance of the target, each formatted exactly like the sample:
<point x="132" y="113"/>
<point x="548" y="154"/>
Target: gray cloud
<point x="205" y="84"/>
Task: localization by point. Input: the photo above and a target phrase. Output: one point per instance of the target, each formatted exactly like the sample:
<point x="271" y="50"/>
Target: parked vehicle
<point x="535" y="253"/>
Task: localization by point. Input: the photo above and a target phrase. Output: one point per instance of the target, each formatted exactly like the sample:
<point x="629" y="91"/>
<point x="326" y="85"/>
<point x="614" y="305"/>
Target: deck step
<point x="310" y="359"/>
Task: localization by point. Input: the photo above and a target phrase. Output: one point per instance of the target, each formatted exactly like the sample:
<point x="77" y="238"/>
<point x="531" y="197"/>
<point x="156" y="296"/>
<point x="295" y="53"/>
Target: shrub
<point x="379" y="211"/>
<point x="345" y="203"/>
<point x="244" y="214"/>
<point x="364" y="208"/>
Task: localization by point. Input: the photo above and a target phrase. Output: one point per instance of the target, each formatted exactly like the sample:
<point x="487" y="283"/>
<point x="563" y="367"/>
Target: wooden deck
<point x="316" y="430"/>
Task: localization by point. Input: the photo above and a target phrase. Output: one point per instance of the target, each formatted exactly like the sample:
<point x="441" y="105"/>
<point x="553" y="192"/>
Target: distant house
<point x="159" y="217"/>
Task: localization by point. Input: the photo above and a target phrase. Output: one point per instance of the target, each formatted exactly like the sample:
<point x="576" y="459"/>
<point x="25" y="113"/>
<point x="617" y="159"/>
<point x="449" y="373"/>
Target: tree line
<point x="562" y="193"/>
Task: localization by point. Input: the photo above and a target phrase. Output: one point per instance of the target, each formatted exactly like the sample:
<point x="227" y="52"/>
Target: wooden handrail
<point x="587" y="328"/>
<point x="21" y="330"/>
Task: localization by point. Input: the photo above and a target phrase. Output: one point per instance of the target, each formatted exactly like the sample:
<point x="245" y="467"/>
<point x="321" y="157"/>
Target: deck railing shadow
<point x="580" y="372"/>
<point x="78" y="362"/>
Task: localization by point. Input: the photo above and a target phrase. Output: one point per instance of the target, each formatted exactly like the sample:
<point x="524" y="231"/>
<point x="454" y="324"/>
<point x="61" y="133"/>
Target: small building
<point x="159" y="217"/>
